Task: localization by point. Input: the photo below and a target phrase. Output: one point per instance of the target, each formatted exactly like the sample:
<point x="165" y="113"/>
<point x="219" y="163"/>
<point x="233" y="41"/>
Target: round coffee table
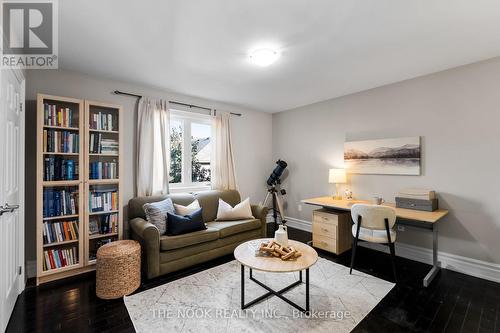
<point x="245" y="254"/>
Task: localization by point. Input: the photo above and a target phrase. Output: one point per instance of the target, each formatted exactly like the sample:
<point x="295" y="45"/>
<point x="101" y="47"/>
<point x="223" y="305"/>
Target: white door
<point x="11" y="191"/>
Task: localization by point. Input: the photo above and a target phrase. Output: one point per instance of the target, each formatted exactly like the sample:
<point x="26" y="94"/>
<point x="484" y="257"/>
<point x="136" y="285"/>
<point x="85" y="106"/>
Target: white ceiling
<point x="329" y="48"/>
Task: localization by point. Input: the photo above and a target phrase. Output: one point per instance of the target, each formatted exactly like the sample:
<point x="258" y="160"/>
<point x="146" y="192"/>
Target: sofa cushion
<point x="179" y="225"/>
<point x="196" y="237"/>
<point x="156" y="213"/>
<point x="241" y="211"/>
<point x="228" y="228"/>
<point x="135" y="205"/>
<point x="209" y="201"/>
<point x="186" y="210"/>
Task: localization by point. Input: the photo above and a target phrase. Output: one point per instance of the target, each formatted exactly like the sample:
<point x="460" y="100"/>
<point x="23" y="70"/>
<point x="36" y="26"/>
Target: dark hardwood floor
<point x="453" y="303"/>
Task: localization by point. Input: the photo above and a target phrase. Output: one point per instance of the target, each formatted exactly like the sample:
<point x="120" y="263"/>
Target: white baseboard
<point x="299" y="224"/>
<point x="30" y="269"/>
<point x="478" y="268"/>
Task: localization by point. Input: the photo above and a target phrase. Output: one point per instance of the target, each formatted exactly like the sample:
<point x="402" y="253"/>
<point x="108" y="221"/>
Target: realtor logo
<point x="29" y="34"/>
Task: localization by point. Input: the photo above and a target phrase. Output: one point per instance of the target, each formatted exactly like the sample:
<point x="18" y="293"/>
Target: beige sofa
<point x="163" y="254"/>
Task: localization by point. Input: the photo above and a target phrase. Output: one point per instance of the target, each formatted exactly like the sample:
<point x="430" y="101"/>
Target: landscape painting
<point x="399" y="156"/>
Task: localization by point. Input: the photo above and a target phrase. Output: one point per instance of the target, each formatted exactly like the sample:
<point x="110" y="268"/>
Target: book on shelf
<point x="59" y="202"/>
<point x="103" y="201"/>
<point x="109" y="146"/>
<point x="59" y="168"/>
<point x="56" y="141"/>
<point x="97" y="245"/>
<point x="54" y="232"/>
<point x="93" y="227"/>
<point x="57" y="116"/>
<point x="60" y="257"/>
<point x="100" y="145"/>
<point x="107" y="224"/>
<point x="104" y="170"/>
<point x="102" y="121"/>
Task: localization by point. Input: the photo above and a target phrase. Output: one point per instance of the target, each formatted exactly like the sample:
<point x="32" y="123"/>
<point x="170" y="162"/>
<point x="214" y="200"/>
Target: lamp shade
<point x="337" y="176"/>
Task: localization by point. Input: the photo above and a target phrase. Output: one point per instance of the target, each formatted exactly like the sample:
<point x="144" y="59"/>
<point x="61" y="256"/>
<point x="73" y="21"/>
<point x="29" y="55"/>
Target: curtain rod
<point x="118" y="92"/>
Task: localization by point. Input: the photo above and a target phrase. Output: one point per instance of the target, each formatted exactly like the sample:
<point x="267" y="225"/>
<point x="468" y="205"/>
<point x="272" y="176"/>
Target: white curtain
<point x="153" y="147"/>
<point x="223" y="175"/>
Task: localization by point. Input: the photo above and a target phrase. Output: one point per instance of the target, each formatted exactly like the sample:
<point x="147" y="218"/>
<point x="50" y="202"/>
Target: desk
<point x="409" y="217"/>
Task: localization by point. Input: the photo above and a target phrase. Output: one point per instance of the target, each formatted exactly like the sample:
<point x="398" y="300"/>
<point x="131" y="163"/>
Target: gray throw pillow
<point x="156" y="213"/>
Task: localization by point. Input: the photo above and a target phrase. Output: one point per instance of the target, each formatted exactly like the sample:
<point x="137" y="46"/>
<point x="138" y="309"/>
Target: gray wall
<point x="457" y="113"/>
<point x="251" y="133"/>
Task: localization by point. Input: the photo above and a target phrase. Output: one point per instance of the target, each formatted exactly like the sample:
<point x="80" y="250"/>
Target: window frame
<point x="187" y="118"/>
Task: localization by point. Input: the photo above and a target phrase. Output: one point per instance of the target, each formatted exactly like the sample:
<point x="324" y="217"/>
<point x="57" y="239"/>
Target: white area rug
<point x="209" y="301"/>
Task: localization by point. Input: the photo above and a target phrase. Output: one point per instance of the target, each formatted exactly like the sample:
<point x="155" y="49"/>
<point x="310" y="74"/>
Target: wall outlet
<point x="401" y="228"/>
<point x="299" y="208"/>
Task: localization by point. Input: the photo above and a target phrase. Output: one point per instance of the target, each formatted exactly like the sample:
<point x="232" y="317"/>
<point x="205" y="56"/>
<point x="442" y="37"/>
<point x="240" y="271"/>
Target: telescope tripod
<point x="277" y="204"/>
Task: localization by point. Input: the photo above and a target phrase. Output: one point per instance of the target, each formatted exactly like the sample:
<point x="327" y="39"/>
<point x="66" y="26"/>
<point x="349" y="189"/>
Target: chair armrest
<point x="260" y="212"/>
<point x="149" y="237"/>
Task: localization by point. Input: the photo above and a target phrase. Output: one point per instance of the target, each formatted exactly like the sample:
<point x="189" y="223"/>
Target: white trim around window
<point x="187" y="118"/>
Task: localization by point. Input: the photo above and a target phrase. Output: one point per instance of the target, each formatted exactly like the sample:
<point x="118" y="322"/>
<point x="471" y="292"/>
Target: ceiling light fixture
<point x="264" y="57"/>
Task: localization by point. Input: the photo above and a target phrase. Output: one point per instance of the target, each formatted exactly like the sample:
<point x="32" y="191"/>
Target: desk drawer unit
<point x="325" y="243"/>
<point x="322" y="216"/>
<point x="331" y="231"/>
<point x="324" y="229"/>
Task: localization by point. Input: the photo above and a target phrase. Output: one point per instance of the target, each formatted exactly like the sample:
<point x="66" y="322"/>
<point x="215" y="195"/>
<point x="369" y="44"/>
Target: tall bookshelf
<point x="65" y="184"/>
<point x="102" y="176"/>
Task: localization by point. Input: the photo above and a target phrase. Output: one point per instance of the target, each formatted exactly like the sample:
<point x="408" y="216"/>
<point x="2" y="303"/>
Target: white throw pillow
<point x="186" y="210"/>
<point x="241" y="211"/>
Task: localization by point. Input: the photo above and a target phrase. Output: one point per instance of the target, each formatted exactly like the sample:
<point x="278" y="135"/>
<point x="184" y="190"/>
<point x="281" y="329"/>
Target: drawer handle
<point x="324" y="229"/>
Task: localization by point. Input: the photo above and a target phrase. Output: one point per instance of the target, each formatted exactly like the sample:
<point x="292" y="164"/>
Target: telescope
<point x="273" y="181"/>
<point x="275" y="176"/>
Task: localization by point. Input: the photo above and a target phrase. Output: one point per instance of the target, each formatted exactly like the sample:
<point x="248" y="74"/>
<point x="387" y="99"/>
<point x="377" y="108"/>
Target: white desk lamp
<point x="337" y="176"/>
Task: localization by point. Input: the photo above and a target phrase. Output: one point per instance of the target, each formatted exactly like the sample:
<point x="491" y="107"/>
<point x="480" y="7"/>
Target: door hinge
<point x="20" y="270"/>
<point x="20" y="106"/>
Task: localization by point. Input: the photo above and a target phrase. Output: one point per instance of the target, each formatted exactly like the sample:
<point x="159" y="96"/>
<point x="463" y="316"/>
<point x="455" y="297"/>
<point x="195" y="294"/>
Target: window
<point x="190" y="150"/>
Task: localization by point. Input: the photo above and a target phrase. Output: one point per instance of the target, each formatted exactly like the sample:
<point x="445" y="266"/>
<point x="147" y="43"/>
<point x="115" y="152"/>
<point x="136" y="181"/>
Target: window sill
<point x="189" y="188"/>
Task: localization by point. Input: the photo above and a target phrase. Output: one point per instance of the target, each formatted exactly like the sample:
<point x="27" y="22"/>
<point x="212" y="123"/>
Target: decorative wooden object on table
<point x="118" y="271"/>
<point x="247" y="257"/>
<point x="64" y="185"/>
<point x="277" y="250"/>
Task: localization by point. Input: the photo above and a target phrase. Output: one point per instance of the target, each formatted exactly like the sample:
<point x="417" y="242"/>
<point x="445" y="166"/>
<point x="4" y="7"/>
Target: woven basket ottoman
<point x="118" y="269"/>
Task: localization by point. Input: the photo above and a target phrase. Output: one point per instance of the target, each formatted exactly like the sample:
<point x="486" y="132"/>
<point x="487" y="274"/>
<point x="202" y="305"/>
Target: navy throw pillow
<point x="178" y="225"/>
